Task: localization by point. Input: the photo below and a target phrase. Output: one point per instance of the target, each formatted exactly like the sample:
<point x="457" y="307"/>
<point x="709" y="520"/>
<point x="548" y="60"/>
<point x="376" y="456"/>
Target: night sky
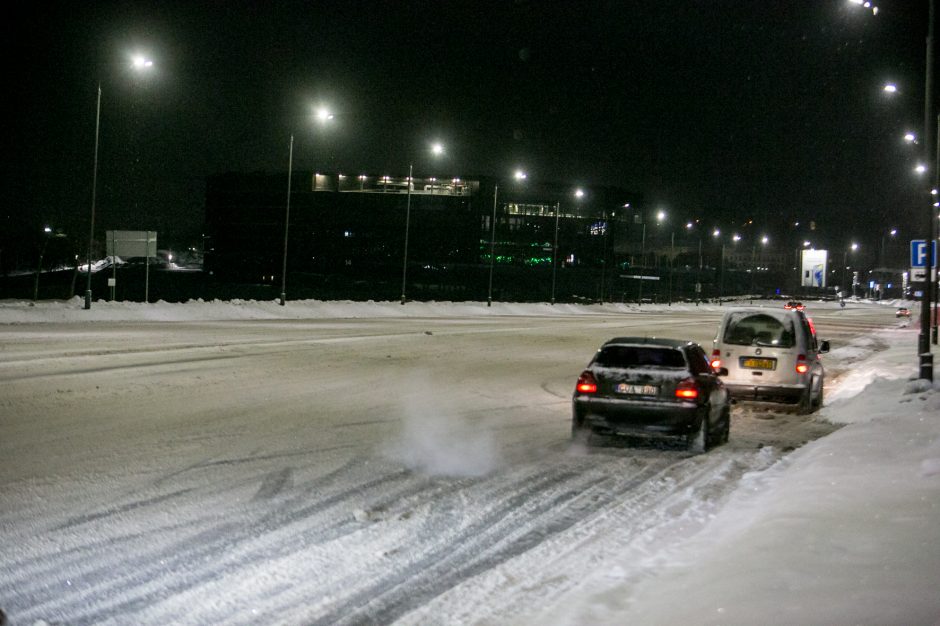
<point x="722" y="110"/>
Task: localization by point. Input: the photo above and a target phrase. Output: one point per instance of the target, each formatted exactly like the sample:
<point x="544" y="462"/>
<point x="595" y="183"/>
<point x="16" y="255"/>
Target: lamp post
<point x="404" y="266"/>
<point x="923" y="339"/>
<point x="519" y="175"/>
<point x="42" y="251"/>
<point x="845" y="262"/>
<point x="139" y="63"/>
<point x="322" y="115"/>
<point x="94" y="190"/>
<point x="290" y="172"/>
<point x="437" y="149"/>
<point x="555" y="251"/>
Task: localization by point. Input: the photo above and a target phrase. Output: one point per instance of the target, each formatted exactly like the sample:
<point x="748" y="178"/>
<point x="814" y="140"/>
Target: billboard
<point x="132" y="243"/>
<point x="813" y="272"/>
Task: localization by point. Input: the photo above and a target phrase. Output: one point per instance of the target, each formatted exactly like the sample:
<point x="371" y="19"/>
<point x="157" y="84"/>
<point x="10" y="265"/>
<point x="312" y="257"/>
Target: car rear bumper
<point x="785" y="394"/>
<point x="632" y="416"/>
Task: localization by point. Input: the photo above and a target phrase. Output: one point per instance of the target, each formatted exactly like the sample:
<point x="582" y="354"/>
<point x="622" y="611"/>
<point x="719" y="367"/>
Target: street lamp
<point x="845" y="261"/>
<point x="322" y="115"/>
<point x="437" y="149"/>
<point x="519" y="175"/>
<point x="139" y="63"/>
<point x="47" y="232"/>
<point x="578" y="194"/>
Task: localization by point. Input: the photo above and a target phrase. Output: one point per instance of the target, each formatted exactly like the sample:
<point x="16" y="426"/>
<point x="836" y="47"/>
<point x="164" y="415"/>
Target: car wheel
<point x="818" y="402"/>
<point x="697" y="441"/>
<point x="726" y="429"/>
<point x="805" y="406"/>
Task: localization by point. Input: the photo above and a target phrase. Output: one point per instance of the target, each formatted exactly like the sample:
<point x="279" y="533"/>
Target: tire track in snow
<point x="516" y="527"/>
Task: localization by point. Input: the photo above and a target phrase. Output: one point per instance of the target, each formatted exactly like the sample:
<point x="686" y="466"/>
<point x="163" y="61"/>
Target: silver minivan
<point x="772" y="355"/>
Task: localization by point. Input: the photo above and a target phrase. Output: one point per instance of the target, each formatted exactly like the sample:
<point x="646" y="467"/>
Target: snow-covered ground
<point x="489" y="517"/>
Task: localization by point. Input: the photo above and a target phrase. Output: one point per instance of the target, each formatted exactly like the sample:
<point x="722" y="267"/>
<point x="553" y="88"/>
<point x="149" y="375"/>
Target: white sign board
<point x="132" y="243"/>
<point x="813" y="268"/>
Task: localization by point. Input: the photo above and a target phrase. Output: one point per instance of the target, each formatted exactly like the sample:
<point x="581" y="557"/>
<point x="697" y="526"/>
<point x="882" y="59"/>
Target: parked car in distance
<point x="793" y="305"/>
<point x="772" y="356"/>
<point x="902" y="312"/>
<point x="651" y="386"/>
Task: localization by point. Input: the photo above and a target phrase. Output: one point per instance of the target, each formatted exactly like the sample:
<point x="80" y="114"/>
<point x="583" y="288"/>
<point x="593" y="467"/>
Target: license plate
<point x="637" y="390"/>
<point x="758" y="364"/>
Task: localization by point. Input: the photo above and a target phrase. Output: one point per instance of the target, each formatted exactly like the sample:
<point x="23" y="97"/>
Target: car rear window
<point x="746" y="329"/>
<point x="639" y="356"/>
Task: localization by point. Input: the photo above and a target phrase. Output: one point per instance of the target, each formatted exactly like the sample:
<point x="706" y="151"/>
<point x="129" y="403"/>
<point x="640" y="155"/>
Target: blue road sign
<point x="919" y="253"/>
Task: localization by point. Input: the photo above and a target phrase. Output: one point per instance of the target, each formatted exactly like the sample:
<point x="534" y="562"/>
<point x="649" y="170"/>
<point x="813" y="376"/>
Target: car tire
<point x="818" y="401"/>
<point x="726" y="428"/>
<point x="697" y="441"/>
<point x="805" y="407"/>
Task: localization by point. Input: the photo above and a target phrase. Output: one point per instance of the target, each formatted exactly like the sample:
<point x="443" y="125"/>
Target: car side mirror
<point x="824" y="347"/>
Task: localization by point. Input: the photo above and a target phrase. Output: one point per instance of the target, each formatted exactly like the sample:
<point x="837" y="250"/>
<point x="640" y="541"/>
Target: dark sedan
<point x="651" y="386"/>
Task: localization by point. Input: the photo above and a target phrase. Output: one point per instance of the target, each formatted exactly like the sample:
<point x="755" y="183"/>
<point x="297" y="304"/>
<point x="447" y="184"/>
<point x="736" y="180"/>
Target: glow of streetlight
<point x="807" y="244"/>
<point x="736" y="237"/>
<point x="660" y="216"/>
<point x="854" y="247"/>
<point x="716" y="233"/>
<point x="579" y="193"/>
<point x="764" y="239"/>
<point x="910" y="137"/>
<point x="520" y="175"/>
<point x="437" y="149"/>
<point x="141" y="62"/>
<point x="890" y="88"/>
<point x="689" y="225"/>
<point x="921" y="168"/>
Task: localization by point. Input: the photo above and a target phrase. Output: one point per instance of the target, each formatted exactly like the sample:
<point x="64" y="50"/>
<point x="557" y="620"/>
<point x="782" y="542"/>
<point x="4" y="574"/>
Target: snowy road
<point x="338" y="471"/>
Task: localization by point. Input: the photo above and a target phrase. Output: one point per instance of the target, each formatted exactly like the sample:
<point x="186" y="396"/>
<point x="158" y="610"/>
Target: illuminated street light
<point x="322" y="115"/>
<point x="890" y="88"/>
<point x="866" y="4"/>
<point x="48" y="234"/>
<point x="520" y="176"/>
<point x="437" y="149"/>
<point x="139" y="63"/>
<point x="921" y="168"/>
<point x="910" y="137"/>
<point x="579" y="193"/>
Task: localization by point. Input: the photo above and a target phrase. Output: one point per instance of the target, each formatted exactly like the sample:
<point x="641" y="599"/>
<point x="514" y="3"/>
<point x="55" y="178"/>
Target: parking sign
<point x="919" y="253"/>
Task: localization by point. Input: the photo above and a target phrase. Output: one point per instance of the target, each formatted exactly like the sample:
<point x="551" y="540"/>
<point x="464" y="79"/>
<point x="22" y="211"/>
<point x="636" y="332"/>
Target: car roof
<point x="649" y="341"/>
<point x="772" y="312"/>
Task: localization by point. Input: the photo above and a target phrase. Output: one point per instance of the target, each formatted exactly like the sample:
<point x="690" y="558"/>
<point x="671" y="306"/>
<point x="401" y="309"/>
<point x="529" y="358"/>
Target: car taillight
<point x="586" y="383"/>
<point x="801" y="365"/>
<point x="716" y="359"/>
<point x="812" y="326"/>
<point x="687" y="390"/>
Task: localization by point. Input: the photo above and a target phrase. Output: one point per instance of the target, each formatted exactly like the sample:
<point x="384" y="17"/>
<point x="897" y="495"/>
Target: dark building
<point x="347" y="237"/>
